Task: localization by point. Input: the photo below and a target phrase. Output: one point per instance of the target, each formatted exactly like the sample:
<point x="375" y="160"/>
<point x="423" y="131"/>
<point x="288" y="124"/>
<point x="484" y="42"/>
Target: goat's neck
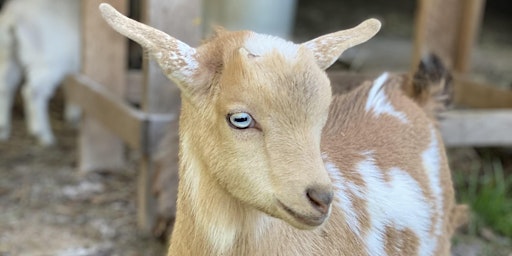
<point x="208" y="217"/>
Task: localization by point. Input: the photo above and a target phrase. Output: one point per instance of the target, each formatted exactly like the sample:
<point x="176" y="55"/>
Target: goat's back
<point x="389" y="169"/>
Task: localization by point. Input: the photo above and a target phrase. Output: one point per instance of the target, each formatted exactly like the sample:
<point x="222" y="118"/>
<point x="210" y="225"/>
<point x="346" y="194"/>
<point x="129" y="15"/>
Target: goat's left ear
<point x="177" y="59"/>
<point x="328" y="48"/>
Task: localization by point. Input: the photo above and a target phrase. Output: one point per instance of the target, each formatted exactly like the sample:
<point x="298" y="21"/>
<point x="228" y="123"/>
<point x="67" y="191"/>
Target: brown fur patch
<point x="401" y="241"/>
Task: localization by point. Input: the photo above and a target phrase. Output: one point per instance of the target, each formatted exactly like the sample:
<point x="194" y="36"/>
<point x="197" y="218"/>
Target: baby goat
<point x="40" y="40"/>
<point x="272" y="164"/>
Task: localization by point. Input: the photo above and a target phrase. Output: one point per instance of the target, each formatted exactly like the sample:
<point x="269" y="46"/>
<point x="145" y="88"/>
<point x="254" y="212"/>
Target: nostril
<point x="319" y="198"/>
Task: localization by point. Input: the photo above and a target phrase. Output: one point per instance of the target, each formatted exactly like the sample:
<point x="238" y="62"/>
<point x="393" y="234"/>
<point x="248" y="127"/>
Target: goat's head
<point x="256" y="106"/>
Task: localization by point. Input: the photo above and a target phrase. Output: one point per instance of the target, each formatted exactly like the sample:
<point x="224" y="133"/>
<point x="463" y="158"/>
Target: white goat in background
<point x="40" y="41"/>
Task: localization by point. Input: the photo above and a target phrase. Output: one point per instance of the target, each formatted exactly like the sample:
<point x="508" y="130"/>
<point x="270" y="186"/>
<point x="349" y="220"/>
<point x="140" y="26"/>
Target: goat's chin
<point x="304" y="224"/>
<point x="300" y="221"/>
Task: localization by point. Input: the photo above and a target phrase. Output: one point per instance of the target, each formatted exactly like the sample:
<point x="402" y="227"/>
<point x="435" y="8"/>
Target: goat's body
<point x="403" y="216"/>
<point x="40" y="40"/>
<point x="272" y="164"/>
<point x="410" y="205"/>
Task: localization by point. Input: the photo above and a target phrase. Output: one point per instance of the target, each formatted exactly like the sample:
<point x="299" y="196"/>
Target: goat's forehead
<point x="292" y="89"/>
<point x="277" y="74"/>
<point x="261" y="45"/>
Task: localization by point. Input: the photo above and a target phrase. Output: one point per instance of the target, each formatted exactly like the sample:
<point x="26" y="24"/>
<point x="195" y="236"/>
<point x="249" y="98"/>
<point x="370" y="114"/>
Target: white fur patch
<point x="431" y="158"/>
<point x="378" y="101"/>
<point x="320" y="56"/>
<point x="261" y="45"/>
<point x="262" y="224"/>
<point x="342" y="201"/>
<point x="191" y="178"/>
<point x="221" y="234"/>
<point x="399" y="203"/>
<point x="180" y="62"/>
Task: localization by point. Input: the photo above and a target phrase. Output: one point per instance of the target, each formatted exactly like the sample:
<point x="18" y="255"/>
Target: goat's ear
<point x="328" y="48"/>
<point x="177" y="59"/>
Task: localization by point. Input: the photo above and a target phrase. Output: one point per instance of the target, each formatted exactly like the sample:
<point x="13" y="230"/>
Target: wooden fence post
<point x="179" y="18"/>
<point x="103" y="60"/>
<point x="447" y="28"/>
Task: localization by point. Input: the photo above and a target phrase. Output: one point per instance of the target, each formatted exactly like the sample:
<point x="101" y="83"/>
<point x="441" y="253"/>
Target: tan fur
<point x="248" y="191"/>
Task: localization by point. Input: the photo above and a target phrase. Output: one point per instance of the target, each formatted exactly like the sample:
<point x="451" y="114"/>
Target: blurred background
<point x="49" y="207"/>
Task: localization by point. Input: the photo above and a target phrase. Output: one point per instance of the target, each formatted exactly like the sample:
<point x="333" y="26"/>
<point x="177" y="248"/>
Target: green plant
<point x="488" y="191"/>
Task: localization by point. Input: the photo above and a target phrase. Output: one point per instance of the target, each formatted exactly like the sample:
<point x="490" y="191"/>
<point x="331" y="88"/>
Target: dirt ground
<point x="48" y="208"/>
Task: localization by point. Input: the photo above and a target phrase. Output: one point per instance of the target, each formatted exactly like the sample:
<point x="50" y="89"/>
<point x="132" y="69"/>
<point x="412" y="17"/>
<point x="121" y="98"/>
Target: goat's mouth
<point x="309" y="220"/>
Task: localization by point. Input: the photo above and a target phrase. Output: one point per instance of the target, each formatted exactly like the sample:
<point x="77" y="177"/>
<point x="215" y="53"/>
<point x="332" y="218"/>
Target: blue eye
<point x="241" y="120"/>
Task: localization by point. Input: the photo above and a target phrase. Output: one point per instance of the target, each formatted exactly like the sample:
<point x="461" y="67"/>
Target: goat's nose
<point x="320" y="198"/>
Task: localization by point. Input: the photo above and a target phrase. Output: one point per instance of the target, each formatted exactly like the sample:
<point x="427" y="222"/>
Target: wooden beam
<point x="104" y="60"/>
<point x="477" y="128"/>
<point x="467" y="93"/>
<point x="130" y="124"/>
<point x="469" y="27"/>
<point x="473" y="94"/>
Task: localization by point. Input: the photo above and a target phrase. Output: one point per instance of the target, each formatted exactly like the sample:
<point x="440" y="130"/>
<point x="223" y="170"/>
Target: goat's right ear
<point x="177" y="59"/>
<point x="328" y="48"/>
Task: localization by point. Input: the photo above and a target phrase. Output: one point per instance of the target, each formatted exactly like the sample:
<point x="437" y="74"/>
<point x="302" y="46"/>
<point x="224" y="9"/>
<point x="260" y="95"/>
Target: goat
<point x="43" y="45"/>
<point x="272" y="164"/>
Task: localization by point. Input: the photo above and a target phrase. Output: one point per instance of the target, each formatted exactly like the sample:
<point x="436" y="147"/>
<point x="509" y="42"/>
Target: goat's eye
<point x="241" y="120"/>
